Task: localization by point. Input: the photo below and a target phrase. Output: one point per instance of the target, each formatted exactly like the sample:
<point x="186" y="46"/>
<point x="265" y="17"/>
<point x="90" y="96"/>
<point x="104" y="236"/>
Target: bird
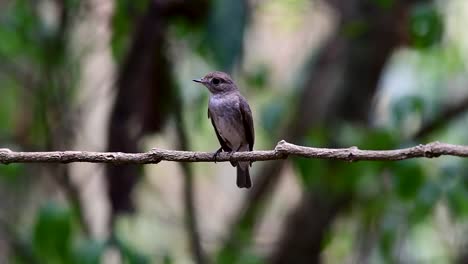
<point x="231" y="118"/>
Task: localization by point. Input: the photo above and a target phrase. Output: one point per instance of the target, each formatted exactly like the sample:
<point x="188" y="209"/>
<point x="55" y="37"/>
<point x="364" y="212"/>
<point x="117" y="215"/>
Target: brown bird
<point x="232" y="120"/>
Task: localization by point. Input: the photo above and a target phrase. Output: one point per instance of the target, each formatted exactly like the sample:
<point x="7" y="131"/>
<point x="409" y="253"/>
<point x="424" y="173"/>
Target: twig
<point x="282" y="150"/>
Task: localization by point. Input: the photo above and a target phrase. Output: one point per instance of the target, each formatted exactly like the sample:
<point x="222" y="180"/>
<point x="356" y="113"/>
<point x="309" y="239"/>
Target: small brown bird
<point x="232" y="120"/>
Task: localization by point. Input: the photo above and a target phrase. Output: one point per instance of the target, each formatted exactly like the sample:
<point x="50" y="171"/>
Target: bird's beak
<point x="198" y="80"/>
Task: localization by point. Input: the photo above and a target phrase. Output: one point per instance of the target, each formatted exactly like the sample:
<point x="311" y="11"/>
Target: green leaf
<point x="250" y="257"/>
<point x="346" y="177"/>
<point x="454" y="182"/>
<point x="385" y="4"/>
<point x="89" y="252"/>
<point x="364" y="138"/>
<point x="424" y="202"/>
<point x="456" y="200"/>
<point x="387" y="240"/>
<point x="309" y="171"/>
<point x="52" y="236"/>
<point x="259" y="78"/>
<point x="407" y="110"/>
<point x="426" y="26"/>
<point x="9" y="97"/>
<point x="244" y="257"/>
<point x="379" y="139"/>
<point x="408" y="178"/>
<point x="407" y="105"/>
<point x="11" y="171"/>
<point x="225" y="33"/>
<point x="129" y="254"/>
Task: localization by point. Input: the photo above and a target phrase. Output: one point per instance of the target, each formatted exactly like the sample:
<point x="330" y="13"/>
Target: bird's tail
<point x="243" y="175"/>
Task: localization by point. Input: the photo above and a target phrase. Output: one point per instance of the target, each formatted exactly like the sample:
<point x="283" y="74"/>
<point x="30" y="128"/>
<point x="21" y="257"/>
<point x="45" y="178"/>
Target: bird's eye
<point x="215" y="81"/>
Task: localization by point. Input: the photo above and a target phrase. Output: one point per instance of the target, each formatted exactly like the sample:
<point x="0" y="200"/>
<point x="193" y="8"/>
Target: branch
<point x="282" y="150"/>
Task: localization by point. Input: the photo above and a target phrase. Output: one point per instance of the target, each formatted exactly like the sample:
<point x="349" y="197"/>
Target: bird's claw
<point x="215" y="156"/>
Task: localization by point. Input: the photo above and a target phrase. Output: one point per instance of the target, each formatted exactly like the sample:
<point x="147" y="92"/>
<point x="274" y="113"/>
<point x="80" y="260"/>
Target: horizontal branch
<point x="281" y="151"/>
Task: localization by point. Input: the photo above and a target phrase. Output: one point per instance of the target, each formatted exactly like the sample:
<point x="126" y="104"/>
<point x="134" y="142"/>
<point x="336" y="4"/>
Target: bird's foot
<point x="231" y="153"/>
<point x="234" y="151"/>
<point x="215" y="156"/>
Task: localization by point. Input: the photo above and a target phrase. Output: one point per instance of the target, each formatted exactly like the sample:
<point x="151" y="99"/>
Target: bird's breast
<point x="227" y="118"/>
<point x="224" y="105"/>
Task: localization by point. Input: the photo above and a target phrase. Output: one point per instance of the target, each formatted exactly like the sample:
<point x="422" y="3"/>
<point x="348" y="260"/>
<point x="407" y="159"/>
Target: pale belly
<point x="228" y="121"/>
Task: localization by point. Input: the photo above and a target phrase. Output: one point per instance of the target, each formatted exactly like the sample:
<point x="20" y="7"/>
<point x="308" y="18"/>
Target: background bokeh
<point x="115" y="75"/>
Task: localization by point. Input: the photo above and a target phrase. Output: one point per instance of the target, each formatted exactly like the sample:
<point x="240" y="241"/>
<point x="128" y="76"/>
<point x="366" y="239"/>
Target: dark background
<point x="106" y="75"/>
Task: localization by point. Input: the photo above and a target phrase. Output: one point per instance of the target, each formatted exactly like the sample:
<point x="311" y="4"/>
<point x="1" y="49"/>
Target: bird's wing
<point x="220" y="139"/>
<point x="247" y="121"/>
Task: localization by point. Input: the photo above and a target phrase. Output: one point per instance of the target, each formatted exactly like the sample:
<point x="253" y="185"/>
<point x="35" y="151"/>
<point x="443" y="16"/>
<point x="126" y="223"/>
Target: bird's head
<point x="217" y="82"/>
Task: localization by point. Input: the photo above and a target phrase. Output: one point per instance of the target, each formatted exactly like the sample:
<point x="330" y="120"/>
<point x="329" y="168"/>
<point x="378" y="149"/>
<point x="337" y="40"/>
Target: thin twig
<point x="282" y="150"/>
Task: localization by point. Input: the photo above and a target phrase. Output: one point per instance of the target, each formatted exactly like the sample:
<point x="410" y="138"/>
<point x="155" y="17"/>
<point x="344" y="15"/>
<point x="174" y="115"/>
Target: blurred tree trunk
<point x="141" y="104"/>
<point x="93" y="103"/>
<point x="145" y="92"/>
<point x="146" y="96"/>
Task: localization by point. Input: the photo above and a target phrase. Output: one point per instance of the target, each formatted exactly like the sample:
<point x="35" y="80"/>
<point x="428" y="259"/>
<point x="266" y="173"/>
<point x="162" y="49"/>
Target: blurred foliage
<point x="36" y="70"/>
<point x="390" y="200"/>
<point x="52" y="235"/>
<point x="55" y="239"/>
<point x="20" y="28"/>
<point x="258" y="79"/>
<point x="224" y="34"/>
<point x="388" y="196"/>
<point x="11" y="171"/>
<point x="88" y="252"/>
<point x="408" y="179"/>
<point x="385" y="3"/>
<point x="406" y="107"/>
<point x="426" y="26"/>
<point x="355" y="28"/>
<point x="126" y="13"/>
<point x="8" y="110"/>
<point x="272" y="115"/>
<point x="130" y="255"/>
<point x="230" y="253"/>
